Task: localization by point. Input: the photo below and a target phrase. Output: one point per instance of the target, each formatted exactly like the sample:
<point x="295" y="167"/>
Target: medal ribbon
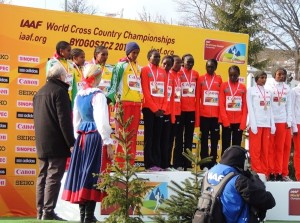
<point x="189" y="81"/>
<point x="233" y="94"/>
<point x="263" y="95"/>
<point x="279" y="94"/>
<point x="154" y="77"/>
<point x="212" y="81"/>
<point x="63" y="65"/>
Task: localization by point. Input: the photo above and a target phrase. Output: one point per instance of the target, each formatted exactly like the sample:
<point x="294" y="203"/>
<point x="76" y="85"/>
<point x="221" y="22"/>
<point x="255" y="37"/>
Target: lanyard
<point x="135" y="73"/>
<point x="154" y="77"/>
<point x="189" y="81"/>
<point x="233" y="94"/>
<point x="77" y="68"/>
<point x="279" y="94"/>
<point x="212" y="81"/>
<point x="100" y="66"/>
<point x="264" y="96"/>
<point x="63" y="65"/>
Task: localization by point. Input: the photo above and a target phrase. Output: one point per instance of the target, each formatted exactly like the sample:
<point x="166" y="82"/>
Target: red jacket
<point x="233" y="105"/>
<point x="188" y="79"/>
<point x="154" y="86"/>
<point x="207" y="104"/>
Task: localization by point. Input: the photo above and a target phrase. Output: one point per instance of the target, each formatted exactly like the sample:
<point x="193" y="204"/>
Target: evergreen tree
<point x="239" y="16"/>
<point x="125" y="190"/>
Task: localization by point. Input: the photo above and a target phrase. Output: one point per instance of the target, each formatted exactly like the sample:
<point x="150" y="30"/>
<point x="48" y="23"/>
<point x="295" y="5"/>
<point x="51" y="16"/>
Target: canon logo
<point x="4" y="68"/>
<point x="25" y="126"/>
<point x="4" y="56"/>
<point x="28" y="81"/>
<point x="4" y="91"/>
<point x="24" y="183"/>
<point x="25" y="149"/>
<point x="28" y="59"/>
<point x="25" y="172"/>
<point x="3" y="159"/>
<point x="25" y="160"/>
<point x="2" y="182"/>
<point x="3" y="137"/>
<point x="24" y="104"/>
<point x="25" y="138"/>
<point x="3" y="114"/>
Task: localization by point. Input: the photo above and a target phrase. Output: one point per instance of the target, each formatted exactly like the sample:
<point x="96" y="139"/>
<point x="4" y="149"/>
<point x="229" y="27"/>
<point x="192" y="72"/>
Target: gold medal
<point x="191" y="89"/>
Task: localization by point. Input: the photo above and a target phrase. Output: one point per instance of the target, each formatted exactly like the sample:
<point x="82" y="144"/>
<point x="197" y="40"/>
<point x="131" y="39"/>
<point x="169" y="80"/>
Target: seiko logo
<point x="3" y="137"/>
<point x="28" y="81"/>
<point x="2" y="182"/>
<point x="4" y="91"/>
<point x="4" y="80"/>
<point x="28" y="70"/>
<point x="2" y="148"/>
<point x="24" y="182"/>
<point x="25" y="104"/>
<point x="25" y="160"/>
<point x="25" y="138"/>
<point x="27" y="93"/>
<point x="26" y="172"/>
<point x="25" y="126"/>
<point x="3" y="125"/>
<point x="2" y="171"/>
<point x="3" y="159"/>
<point x="28" y="59"/>
<point x="25" y="115"/>
<point x="3" y="102"/>
<point x="4" y="56"/>
<point x="3" y="114"/>
<point x="25" y="149"/>
<point x="4" y="68"/>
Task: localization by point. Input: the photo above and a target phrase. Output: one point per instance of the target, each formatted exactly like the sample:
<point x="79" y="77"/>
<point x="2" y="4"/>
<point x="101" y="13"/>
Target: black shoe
<point x="39" y="216"/>
<point x="52" y="216"/>
<point x="279" y="177"/>
<point x="272" y="177"/>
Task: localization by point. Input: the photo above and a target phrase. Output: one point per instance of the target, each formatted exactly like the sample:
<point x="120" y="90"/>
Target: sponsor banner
<point x="19" y="182"/>
<point x="3" y="102"/>
<point x="2" y="182"/>
<point x="3" y="125"/>
<point x="26" y="93"/>
<point x="2" y="171"/>
<point x="3" y="159"/>
<point x="25" y="126"/>
<point x="2" y="148"/>
<point x="3" y="137"/>
<point x="4" y="91"/>
<point x="24" y="104"/>
<point x="3" y="114"/>
<point x="25" y="138"/>
<point x="28" y="81"/>
<point x="4" y="68"/>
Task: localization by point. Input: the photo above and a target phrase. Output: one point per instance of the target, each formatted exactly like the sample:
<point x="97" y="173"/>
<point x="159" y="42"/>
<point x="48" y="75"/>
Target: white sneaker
<point x="287" y="179"/>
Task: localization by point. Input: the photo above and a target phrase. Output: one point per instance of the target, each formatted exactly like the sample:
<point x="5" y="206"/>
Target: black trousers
<point x="231" y="135"/>
<point x="152" y="138"/>
<point x="165" y="142"/>
<point x="209" y="128"/>
<point x="173" y="132"/>
<point x="184" y="139"/>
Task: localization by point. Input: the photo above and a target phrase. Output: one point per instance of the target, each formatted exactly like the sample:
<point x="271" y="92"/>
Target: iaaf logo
<point x="28" y="81"/>
<point x="25" y="126"/>
<point x="3" y="114"/>
<point x="3" y="137"/>
<point x="28" y="59"/>
<point x="3" y="159"/>
<point x="4" y="56"/>
<point x="2" y="182"/>
<point x="4" y="91"/>
<point x="25" y="149"/>
<point x="4" y="68"/>
<point x="25" y="172"/>
<point x="24" y="104"/>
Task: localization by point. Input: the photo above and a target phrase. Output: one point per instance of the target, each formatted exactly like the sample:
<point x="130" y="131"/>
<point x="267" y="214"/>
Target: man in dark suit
<point x="54" y="139"/>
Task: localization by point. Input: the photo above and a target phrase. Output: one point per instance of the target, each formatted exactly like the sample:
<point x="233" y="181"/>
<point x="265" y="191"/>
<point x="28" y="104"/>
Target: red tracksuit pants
<point x="296" y="139"/>
<point x="259" y="146"/>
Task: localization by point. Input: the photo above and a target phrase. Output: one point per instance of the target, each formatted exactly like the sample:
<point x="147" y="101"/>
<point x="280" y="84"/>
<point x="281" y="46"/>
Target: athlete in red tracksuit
<point x="295" y="101"/>
<point x="207" y="111"/>
<point x="184" y="137"/>
<point x="233" y="109"/>
<point x="280" y="146"/>
<point x="154" y="86"/>
<point x="261" y="122"/>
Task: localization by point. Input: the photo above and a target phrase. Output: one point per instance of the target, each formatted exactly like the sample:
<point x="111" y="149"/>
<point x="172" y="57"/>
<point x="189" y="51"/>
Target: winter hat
<point x="90" y="70"/>
<point x="234" y="156"/>
<point x="130" y="47"/>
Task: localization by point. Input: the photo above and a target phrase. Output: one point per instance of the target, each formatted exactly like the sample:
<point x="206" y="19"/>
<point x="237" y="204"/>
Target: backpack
<point x="209" y="208"/>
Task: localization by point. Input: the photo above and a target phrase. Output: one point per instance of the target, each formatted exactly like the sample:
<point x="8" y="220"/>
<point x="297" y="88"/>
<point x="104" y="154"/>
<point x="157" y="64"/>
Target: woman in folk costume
<point x="62" y="56"/>
<point x="91" y="126"/>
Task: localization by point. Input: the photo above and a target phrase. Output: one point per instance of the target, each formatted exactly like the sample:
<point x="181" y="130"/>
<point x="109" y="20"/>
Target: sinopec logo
<point x="2" y="148"/>
<point x="2" y="182"/>
<point x="24" y="104"/>
<point x="25" y="115"/>
<point x="2" y="171"/>
<point x="27" y="93"/>
<point x="25" y="138"/>
<point x="3" y="159"/>
<point x="25" y="126"/>
<point x="3" y="125"/>
<point x="4" y="91"/>
<point x="25" y="149"/>
<point x="4" y="68"/>
<point x="3" y="102"/>
<point x="28" y="81"/>
<point x="4" y="56"/>
<point x="25" y="160"/>
<point x="28" y="70"/>
<point x="28" y="59"/>
<point x="4" y="80"/>
<point x="24" y="182"/>
<point x="3" y="114"/>
<point x="25" y="172"/>
<point x="3" y="137"/>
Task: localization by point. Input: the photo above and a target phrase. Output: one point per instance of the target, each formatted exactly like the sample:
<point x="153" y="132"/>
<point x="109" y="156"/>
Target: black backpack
<point x="209" y="208"/>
